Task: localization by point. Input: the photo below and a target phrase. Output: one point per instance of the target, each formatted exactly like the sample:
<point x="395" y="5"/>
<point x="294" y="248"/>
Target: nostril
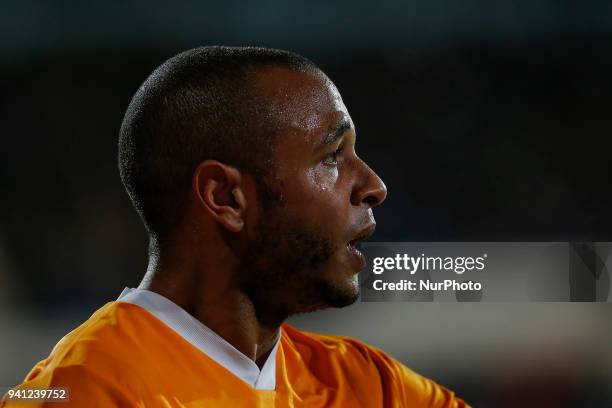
<point x="371" y="200"/>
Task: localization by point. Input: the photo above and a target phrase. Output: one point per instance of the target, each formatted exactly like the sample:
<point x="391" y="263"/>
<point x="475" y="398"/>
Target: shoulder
<point x="107" y="344"/>
<point x="114" y="329"/>
<point x="346" y="349"/>
<point x="94" y="361"/>
<point x="339" y="346"/>
<point x="83" y="386"/>
<point x="357" y="358"/>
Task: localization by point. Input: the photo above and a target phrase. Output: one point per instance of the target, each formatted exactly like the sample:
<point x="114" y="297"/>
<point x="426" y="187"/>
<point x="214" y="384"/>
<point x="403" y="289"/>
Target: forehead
<point x="301" y="101"/>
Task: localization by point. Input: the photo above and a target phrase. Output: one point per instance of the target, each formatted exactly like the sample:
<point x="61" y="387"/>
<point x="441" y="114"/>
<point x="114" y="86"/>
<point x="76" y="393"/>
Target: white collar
<point x="206" y="340"/>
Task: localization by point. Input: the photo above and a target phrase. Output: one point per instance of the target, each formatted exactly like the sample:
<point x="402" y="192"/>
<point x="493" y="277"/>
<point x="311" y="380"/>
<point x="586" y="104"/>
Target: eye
<point x="332" y="158"/>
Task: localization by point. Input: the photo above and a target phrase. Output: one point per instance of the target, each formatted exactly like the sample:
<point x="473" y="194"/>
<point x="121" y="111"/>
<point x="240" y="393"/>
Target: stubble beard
<point x="282" y="271"/>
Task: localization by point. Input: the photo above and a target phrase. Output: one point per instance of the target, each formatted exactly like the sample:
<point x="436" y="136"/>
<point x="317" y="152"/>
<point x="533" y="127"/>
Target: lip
<point x="353" y="244"/>
<point x="364" y="233"/>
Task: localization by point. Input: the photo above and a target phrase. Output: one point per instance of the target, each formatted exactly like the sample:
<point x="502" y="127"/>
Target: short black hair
<point x="198" y="105"/>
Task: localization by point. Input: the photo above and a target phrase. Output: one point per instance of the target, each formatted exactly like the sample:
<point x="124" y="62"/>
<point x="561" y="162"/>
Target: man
<point x="241" y="163"/>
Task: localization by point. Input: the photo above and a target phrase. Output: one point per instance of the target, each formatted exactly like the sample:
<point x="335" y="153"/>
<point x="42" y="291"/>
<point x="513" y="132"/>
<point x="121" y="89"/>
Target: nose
<point x="369" y="189"/>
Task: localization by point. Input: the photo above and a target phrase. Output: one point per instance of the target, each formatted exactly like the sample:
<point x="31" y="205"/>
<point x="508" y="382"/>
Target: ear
<point x="218" y="189"/>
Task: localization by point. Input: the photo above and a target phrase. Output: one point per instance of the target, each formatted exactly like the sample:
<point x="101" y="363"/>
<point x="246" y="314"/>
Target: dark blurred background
<point x="488" y="121"/>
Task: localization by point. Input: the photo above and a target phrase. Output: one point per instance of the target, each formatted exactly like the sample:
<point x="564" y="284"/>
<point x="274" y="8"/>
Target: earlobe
<point x="217" y="188"/>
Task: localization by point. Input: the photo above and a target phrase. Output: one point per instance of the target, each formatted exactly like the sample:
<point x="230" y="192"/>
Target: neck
<point x="209" y="293"/>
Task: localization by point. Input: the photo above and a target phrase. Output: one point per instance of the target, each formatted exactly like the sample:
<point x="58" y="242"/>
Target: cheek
<point x="323" y="178"/>
<point x="325" y="200"/>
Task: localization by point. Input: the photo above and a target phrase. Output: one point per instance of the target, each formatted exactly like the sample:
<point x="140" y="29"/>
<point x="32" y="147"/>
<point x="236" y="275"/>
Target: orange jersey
<point x="123" y="356"/>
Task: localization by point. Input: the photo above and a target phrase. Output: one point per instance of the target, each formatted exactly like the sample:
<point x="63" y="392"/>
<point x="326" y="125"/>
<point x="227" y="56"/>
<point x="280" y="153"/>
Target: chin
<point x="342" y="294"/>
<point x="326" y="293"/>
<point x="345" y="301"/>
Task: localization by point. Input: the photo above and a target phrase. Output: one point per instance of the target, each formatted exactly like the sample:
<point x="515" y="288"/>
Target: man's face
<point x="317" y="204"/>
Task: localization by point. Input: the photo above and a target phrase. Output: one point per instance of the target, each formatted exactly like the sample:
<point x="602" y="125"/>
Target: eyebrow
<point x="335" y="133"/>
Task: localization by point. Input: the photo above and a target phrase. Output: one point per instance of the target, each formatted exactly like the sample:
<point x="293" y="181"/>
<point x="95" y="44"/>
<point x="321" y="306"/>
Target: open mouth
<point x="361" y="236"/>
<point x="354" y="245"/>
<point x="355" y="253"/>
